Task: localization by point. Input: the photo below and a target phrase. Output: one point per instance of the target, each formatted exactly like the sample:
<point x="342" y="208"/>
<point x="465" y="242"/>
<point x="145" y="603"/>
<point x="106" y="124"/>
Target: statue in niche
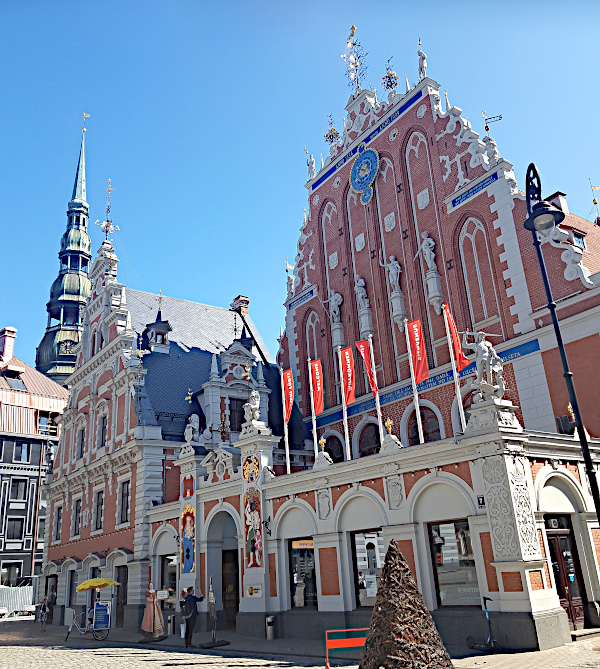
<point x="422" y="64"/>
<point x="361" y="293"/>
<point x="427" y="249"/>
<point x="393" y="269"/>
<point x="335" y="302"/>
<point x="312" y="170"/>
<point x="252" y="407"/>
<point x="491" y="150"/>
<point x="488" y="380"/>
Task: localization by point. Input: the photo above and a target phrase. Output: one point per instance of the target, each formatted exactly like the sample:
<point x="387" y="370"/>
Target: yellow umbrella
<point x="95" y="583"/>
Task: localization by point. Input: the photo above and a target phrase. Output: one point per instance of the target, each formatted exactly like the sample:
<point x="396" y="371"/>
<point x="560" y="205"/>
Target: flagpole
<point x="377" y="402"/>
<point x="285" y="425"/>
<point x="461" y="410"/>
<point x="312" y="409"/>
<point x="343" y="395"/>
<point x="414" y="385"/>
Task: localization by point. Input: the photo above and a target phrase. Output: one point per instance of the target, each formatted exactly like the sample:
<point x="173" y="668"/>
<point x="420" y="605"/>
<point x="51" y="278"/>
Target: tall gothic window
<point x="477" y="272"/>
<point x="431" y="427"/>
<point x="369" y="442"/>
<point x="312" y="328"/>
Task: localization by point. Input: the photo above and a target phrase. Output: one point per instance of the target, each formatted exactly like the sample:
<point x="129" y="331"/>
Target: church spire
<point x="79" y="185"/>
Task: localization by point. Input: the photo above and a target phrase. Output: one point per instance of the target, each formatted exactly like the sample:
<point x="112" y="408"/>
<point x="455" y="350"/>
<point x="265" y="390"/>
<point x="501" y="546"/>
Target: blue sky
<point x="200" y="113"/>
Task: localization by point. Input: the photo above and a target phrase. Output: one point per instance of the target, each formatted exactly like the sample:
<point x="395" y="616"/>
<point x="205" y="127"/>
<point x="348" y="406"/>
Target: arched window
<point x="334" y="447"/>
<point x="369" y="442"/>
<point x="93" y="344"/>
<point x="312" y="327"/>
<point x="431" y="427"/>
<point x="477" y="271"/>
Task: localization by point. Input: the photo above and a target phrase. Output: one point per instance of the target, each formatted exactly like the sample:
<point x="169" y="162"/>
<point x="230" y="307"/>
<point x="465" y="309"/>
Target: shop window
<point x="369" y="442"/>
<point x="72" y="588"/>
<point x="14" y="529"/>
<point x="10" y="573"/>
<point x="168" y="570"/>
<point x="303" y="580"/>
<point x="334" y="447"/>
<point x="431" y="427"/>
<point x="453" y="564"/>
<point x="236" y="414"/>
<point x="368" y="556"/>
<point x="18" y="489"/>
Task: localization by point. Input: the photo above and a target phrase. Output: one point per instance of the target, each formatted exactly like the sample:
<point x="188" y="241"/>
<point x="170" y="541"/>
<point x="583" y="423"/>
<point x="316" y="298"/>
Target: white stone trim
<point x="406" y="416"/>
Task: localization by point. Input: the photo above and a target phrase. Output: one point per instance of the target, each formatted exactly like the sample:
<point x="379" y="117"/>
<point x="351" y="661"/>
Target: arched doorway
<point x="165" y="571"/>
<point x="431" y="426"/>
<point x="222" y="565"/>
<point x="369" y="442"/>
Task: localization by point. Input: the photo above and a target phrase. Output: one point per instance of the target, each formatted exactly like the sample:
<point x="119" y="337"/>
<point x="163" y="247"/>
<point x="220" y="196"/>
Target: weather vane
<point x="389" y="80"/>
<point x="332" y="135"/>
<point x="84" y="117"/>
<point x="355" y="57"/>
<point x="188" y="397"/>
<point x="490" y="119"/>
<point x="107" y="226"/>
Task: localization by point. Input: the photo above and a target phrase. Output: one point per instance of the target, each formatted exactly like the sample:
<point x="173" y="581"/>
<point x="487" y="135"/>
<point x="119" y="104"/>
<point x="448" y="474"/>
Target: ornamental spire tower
<point x="55" y="356"/>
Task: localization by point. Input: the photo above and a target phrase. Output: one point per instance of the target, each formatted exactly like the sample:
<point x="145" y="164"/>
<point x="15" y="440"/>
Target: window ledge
<point x="123" y="526"/>
<point x="95" y="533"/>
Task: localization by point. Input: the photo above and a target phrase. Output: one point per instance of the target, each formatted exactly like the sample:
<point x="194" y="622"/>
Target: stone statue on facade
<point x="312" y="170"/>
<point x="335" y="302"/>
<point x="192" y="429"/>
<point x="427" y="249"/>
<point x="252" y="407"/>
<point x="394" y="270"/>
<point x="361" y="293"/>
<point x="422" y="64"/>
<point x="489" y="381"/>
<point x="491" y="150"/>
<point x="433" y="278"/>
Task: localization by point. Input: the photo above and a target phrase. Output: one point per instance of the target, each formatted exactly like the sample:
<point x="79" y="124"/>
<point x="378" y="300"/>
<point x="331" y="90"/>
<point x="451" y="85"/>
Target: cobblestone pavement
<point x="22" y="646"/>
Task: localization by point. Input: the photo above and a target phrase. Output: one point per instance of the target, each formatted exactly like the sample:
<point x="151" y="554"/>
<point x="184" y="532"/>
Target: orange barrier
<point x="333" y="642"/>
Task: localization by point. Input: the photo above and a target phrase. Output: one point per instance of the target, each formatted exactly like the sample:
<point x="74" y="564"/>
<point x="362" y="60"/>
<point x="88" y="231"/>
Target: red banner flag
<point x="317" y="385"/>
<point x="461" y="359"/>
<point x="348" y="374"/>
<point x="288" y="388"/>
<point x="417" y="348"/>
<point x="365" y="354"/>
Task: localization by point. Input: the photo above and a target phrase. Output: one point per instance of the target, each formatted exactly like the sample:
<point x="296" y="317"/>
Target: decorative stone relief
<point x="523" y="509"/>
<point x="421" y="111"/>
<point x="336" y="182"/>
<point x="394" y="492"/>
<point x="333" y="260"/>
<point x="324" y="504"/>
<point x="315" y="200"/>
<point x="423" y="198"/>
<point x="572" y="256"/>
<point x="393" y="134"/>
<point x="389" y="222"/>
<point x="359" y="242"/>
<point x="498" y="500"/>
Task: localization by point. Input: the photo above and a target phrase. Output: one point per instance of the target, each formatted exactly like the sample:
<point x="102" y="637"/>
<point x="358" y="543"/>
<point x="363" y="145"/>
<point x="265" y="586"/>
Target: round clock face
<point x="364" y="170"/>
<point x="366" y="195"/>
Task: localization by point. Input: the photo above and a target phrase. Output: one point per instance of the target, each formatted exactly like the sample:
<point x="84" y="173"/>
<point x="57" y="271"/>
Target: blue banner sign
<point x="101" y="615"/>
<point x="370" y="137"/>
<point x="434" y="381"/>
<point x="476" y="189"/>
<point x="301" y="299"/>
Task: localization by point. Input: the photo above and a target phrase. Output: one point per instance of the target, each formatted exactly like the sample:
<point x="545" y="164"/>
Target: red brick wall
<point x="272" y="575"/>
<point x="337" y="492"/>
<point x="330" y="584"/>
<point x="546" y="567"/>
<point x="535" y="578"/>
<point x="511" y="580"/>
<point x="376" y="485"/>
<point x="308" y="497"/>
<point x="406" y="548"/>
<point x="277" y="503"/>
<point x="411" y="478"/>
<point x="488" y="557"/>
<point x="596" y="541"/>
<point x="462" y="470"/>
<point x="536" y="465"/>
<point x="208" y="506"/>
<point x="234" y="500"/>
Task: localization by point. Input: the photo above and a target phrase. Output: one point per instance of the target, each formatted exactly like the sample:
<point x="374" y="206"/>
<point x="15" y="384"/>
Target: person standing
<point x="152" y="623"/>
<point x="189" y="613"/>
<point x="43" y="612"/>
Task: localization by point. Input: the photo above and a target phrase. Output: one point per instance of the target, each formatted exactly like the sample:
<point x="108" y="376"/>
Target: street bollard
<point x="270" y="625"/>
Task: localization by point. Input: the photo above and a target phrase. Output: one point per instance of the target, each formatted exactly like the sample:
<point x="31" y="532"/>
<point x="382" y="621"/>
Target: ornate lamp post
<point x="542" y="219"/>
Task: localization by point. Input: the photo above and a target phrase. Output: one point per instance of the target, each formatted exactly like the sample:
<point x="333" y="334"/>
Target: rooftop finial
<point x="422" y="62"/>
<point x="355" y="57"/>
<point x="389" y="80"/>
<point x="107" y="225"/>
<point x="332" y="135"/>
<point x="84" y="117"/>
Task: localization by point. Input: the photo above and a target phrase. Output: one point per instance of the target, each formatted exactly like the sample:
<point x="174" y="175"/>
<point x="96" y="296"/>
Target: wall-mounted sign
<point x="254" y="591"/>
<point x="303" y="543"/>
<point x="102" y="615"/>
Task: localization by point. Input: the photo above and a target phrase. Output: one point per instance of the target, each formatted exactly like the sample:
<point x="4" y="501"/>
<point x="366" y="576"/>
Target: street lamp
<point x="542" y="219"/>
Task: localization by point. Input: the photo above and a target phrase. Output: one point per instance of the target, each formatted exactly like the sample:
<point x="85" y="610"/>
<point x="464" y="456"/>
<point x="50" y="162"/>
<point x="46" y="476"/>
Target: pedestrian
<point x="152" y="623"/>
<point x="189" y="612"/>
<point x="43" y="613"/>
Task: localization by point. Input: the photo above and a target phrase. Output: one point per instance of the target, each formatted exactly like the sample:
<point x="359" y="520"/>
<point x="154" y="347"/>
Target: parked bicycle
<point x="72" y="621"/>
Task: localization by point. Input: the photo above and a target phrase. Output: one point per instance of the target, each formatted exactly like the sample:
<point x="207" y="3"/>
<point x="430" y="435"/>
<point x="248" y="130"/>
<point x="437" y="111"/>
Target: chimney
<point x="7" y="343"/>
<point x="559" y="200"/>
<point x="240" y="304"/>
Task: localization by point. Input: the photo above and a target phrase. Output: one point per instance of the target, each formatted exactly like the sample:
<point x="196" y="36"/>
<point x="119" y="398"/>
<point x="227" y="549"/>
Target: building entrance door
<point x="51" y="590"/>
<point x="565" y="565"/>
<point x="121" y="578"/>
<point x="230" y="591"/>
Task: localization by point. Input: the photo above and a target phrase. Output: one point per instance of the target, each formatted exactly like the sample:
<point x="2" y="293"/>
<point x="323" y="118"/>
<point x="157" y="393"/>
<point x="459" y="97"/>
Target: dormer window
<point x="579" y="240"/>
<point x="160" y="338"/>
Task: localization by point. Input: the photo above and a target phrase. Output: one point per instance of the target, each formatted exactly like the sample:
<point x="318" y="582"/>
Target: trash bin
<point x="270" y="624"/>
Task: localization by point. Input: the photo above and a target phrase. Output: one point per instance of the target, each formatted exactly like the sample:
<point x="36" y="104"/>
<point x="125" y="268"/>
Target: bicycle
<point x="491" y="645"/>
<point x="71" y="620"/>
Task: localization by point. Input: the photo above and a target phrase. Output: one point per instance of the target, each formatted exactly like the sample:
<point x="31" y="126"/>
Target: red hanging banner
<point x="288" y="387"/>
<point x="461" y="359"/>
<point x="365" y="354"/>
<point x="348" y="374"/>
<point x="417" y="349"/>
<point x="317" y="385"/>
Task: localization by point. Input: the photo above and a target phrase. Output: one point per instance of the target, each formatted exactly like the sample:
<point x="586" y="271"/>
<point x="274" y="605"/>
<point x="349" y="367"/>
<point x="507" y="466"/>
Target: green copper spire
<point x="79" y="185"/>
